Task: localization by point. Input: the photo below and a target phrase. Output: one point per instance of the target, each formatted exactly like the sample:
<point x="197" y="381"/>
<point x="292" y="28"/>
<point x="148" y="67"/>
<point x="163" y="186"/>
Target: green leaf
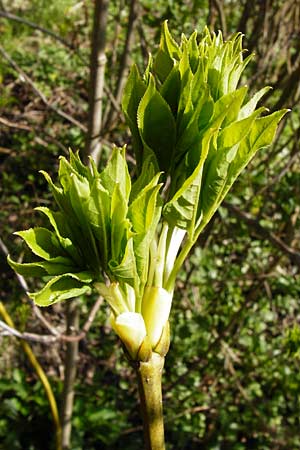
<point x="193" y="51"/>
<point x="250" y="106"/>
<point x="144" y="214"/>
<point x="68" y="176"/>
<point x="264" y="129"/>
<point x="133" y="92"/>
<point x="120" y="225"/>
<point x="79" y="196"/>
<point x="98" y="211"/>
<point x="157" y="126"/>
<point x="236" y="131"/>
<point x="149" y="169"/>
<point x="79" y="167"/>
<point x="116" y="172"/>
<point x="261" y="134"/>
<point x="237" y="72"/>
<point x="231" y="104"/>
<point x="225" y="168"/>
<point x="168" y="52"/>
<point x="27" y="269"/>
<point x="58" y="193"/>
<point x="170" y="89"/>
<point x="41" y="242"/>
<point x="185" y="105"/>
<point x="63" y="232"/>
<point x="182" y="210"/>
<point x="168" y="44"/>
<point x="54" y="266"/>
<point x="191" y="133"/>
<point x="63" y="287"/>
<point x="125" y="270"/>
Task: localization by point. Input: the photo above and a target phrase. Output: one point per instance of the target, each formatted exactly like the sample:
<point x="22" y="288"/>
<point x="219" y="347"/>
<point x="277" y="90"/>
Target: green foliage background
<point x="232" y="378"/>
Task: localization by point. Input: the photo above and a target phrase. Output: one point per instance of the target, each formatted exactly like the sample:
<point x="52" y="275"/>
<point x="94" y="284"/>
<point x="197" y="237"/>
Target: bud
<point x="156" y="308"/>
<point x="163" y="344"/>
<point x="130" y="327"/>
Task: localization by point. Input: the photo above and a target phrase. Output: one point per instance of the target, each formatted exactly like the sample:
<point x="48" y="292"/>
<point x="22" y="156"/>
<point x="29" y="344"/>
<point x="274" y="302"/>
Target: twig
<point x="49" y="338"/>
<point x="35" y="26"/>
<point x="110" y="114"/>
<point x="292" y="253"/>
<point x="10" y="124"/>
<point x="70" y="366"/>
<point x="25" y="287"/>
<point x="278" y="177"/>
<point x="97" y="69"/>
<point x="41" y="374"/>
<point x="39" y="93"/>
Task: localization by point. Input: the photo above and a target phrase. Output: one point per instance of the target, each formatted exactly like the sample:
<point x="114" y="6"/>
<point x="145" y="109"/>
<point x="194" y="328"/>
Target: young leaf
<point x="133" y="92"/>
<point x="125" y="270"/>
<point x="236" y="131"/>
<point x="98" y="212"/>
<point x="120" y="225"/>
<point x="149" y="169"/>
<point x="250" y="106"/>
<point x="170" y="89"/>
<point x="41" y="242"/>
<point x="63" y="232"/>
<point x="157" y="125"/>
<point x="116" y="172"/>
<point x="54" y="266"/>
<point x="144" y="214"/>
<point x="182" y="210"/>
<point x="63" y="287"/>
<point x="167" y="53"/>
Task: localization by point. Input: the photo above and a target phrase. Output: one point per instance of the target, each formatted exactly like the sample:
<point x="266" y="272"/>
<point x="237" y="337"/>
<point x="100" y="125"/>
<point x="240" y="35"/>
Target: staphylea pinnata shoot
<point x="194" y="128"/>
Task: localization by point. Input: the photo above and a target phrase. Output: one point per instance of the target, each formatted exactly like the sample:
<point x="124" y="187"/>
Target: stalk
<point x="42" y="376"/>
<point x="149" y="380"/>
<point x="70" y="374"/>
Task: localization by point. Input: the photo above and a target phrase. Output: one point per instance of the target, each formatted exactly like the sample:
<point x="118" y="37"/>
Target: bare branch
<point x="40" y="94"/>
<point x="25" y="287"/>
<point x="35" y="26"/>
<point x="110" y="116"/>
<point x="71" y="359"/>
<point x="97" y="69"/>
<point x="49" y="338"/>
<point x="292" y="253"/>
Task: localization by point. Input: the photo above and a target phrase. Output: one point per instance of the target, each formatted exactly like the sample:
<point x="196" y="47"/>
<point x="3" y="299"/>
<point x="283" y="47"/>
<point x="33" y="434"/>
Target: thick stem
<point x="70" y="374"/>
<point x="149" y="380"/>
<point x="97" y="68"/>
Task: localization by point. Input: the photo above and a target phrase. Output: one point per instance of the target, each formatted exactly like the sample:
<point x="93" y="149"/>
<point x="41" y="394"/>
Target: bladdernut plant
<point x="193" y="132"/>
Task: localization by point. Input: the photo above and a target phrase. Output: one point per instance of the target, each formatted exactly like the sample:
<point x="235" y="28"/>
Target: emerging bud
<point x="156" y="308"/>
<point x="130" y="327"/>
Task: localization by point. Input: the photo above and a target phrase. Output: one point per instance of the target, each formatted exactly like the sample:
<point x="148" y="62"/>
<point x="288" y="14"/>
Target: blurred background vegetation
<point x="232" y="378"/>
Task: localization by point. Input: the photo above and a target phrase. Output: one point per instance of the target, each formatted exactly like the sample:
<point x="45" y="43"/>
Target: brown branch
<point x="110" y="115"/>
<point x="292" y="253"/>
<point x="221" y="12"/>
<point x="25" y="287"/>
<point x="71" y="359"/>
<point x="40" y="94"/>
<point x="35" y="26"/>
<point x="282" y="173"/>
<point x="19" y="126"/>
<point x="97" y="69"/>
<point x="50" y="338"/>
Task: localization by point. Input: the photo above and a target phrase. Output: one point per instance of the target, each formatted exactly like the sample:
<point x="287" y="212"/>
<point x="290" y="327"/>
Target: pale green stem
<point x="169" y="285"/>
<point x="161" y="254"/>
<point x="153" y="254"/>
<point x="190" y="242"/>
<point x="149" y="380"/>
